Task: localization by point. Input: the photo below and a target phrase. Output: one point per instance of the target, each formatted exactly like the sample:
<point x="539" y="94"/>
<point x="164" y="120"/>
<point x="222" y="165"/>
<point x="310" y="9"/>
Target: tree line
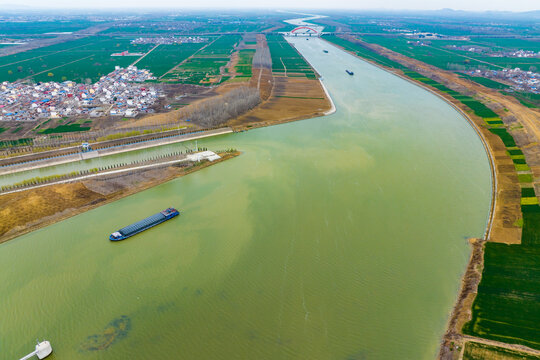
<point x="218" y="110"/>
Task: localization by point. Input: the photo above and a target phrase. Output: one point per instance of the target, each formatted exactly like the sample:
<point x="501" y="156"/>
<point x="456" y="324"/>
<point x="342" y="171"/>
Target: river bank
<point x="32" y="209"/>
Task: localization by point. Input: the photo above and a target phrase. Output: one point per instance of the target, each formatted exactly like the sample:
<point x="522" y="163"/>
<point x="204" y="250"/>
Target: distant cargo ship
<point x="325" y="51"/>
<point x="349" y="72"/>
<point x="145" y="224"/>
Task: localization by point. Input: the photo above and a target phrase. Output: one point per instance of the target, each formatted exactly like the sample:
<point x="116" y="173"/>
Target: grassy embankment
<point x="506" y="306"/>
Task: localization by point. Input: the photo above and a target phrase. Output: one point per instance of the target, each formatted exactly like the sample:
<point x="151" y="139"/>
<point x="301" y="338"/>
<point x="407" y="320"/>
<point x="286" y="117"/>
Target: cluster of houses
<point x="433" y="36"/>
<point x="488" y="52"/>
<point x="120" y="93"/>
<point x="527" y="81"/>
<point x="169" y="40"/>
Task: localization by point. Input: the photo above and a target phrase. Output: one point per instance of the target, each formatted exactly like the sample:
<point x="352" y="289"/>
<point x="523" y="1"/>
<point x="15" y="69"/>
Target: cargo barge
<point x="144" y="224"/>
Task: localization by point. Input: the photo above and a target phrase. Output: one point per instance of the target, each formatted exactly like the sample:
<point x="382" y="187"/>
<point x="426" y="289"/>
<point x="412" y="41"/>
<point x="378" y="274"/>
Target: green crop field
<point x="286" y="60"/>
<point x="165" y="57"/>
<point x="65" y="128"/>
<point x="528" y="99"/>
<point x="245" y="62"/>
<point x="42" y="27"/>
<point x="125" y="30"/>
<point x="486" y="82"/>
<point x="13" y="143"/>
<point x="204" y="66"/>
<point x="450" y="59"/>
<point x="83" y="60"/>
<point x="506" y="306"/>
<point x="507" y="43"/>
<point x="477" y="351"/>
<point x="231" y="28"/>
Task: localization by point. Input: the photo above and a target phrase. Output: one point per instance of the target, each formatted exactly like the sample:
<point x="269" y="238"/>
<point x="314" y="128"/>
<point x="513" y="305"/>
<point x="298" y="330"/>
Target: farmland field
<point x="476" y="351"/>
<point x="507" y="43"/>
<point x="204" y="66"/>
<point x="82" y="60"/>
<point x="286" y="60"/>
<point x="165" y="57"/>
<point x="486" y="82"/>
<point x="506" y="306"/>
<point x="436" y="54"/>
<point x="245" y="62"/>
<point x="43" y="27"/>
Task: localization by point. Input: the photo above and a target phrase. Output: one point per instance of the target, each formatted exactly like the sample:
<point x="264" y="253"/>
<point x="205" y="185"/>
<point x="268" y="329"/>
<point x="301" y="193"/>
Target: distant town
<point x="169" y="40"/>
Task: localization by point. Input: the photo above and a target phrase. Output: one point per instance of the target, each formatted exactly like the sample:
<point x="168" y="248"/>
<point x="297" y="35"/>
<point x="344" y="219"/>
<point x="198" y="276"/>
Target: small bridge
<point x="304" y="31"/>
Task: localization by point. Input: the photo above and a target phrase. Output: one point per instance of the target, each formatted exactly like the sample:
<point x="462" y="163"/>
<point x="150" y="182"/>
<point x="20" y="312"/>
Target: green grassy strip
<point x="477" y="351"/>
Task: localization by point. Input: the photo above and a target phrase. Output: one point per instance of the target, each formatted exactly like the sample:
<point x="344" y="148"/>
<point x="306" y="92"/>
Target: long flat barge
<point x="144" y="224"/>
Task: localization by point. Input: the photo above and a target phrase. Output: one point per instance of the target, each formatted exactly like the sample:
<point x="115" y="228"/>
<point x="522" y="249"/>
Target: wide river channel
<point x="339" y="237"/>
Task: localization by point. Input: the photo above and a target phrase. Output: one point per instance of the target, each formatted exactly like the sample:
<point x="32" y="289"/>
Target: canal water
<point x="339" y="237"/>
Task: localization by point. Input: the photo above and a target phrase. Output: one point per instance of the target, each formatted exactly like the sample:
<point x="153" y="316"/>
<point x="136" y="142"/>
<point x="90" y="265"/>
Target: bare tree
<point x="218" y="110"/>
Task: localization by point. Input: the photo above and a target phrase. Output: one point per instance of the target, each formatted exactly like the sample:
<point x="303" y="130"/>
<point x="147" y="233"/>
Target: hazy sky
<point x="475" y="5"/>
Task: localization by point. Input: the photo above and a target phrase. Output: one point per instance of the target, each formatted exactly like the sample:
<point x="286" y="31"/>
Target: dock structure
<point x="43" y="349"/>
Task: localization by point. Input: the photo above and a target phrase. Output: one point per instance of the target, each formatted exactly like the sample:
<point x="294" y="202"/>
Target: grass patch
<point x="506" y="138"/>
<point x="477" y="351"/>
<point x="64" y="129"/>
<point x="515" y="152"/>
<point x="19" y="142"/>
<point x="522" y="167"/>
<point x="529" y="201"/>
<point x="486" y="82"/>
<point x="526" y="192"/>
<point x="525" y="178"/>
<point x="506" y="306"/>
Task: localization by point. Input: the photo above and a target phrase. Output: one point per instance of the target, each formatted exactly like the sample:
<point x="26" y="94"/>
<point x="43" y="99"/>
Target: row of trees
<point x="262" y="58"/>
<point x="218" y="110"/>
